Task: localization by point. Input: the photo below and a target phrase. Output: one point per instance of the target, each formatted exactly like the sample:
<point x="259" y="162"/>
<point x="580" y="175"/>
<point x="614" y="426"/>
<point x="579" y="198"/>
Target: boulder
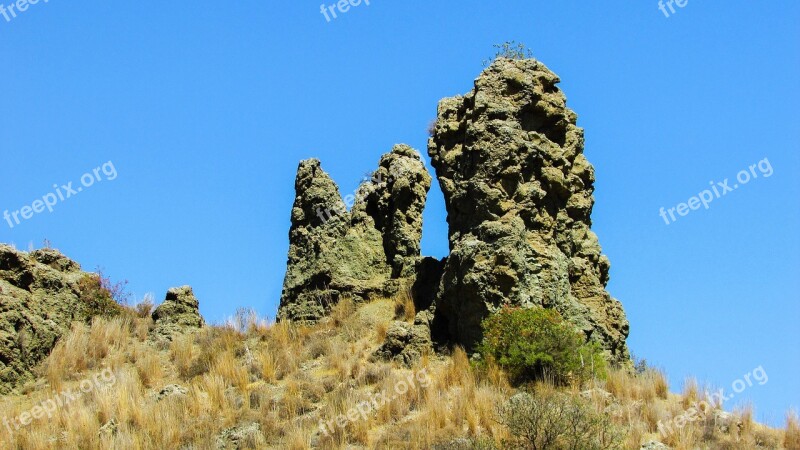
<point x="241" y="437"/>
<point x="405" y="342"/>
<point x="179" y="313"/>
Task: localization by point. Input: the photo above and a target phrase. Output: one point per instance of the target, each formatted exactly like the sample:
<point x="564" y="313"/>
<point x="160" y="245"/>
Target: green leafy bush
<point x="537" y="344"/>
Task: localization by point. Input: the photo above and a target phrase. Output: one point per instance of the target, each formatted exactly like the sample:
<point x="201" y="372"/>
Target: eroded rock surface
<point x="41" y="294"/>
<point x="406" y="342"/>
<point x="519" y="195"/>
<point x="360" y="253"/>
<point x="179" y="313"/>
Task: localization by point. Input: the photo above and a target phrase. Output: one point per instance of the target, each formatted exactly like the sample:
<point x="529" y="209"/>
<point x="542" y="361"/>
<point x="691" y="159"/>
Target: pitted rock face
<point x="519" y="194"/>
<point x="394" y="202"/>
<point x="40" y="297"/>
<point x="335" y="253"/>
<point x="180" y="307"/>
<point x="178" y="314"/>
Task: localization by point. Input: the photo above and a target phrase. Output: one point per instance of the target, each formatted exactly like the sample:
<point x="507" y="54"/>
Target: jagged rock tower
<point x="518" y="192"/>
<point x="519" y="195"/>
<point x="366" y="252"/>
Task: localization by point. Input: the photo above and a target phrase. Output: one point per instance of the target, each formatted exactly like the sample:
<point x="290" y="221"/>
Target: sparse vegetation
<point x="792" y="439"/>
<point x="97" y="297"/>
<point x="510" y="50"/>
<point x="404" y="308"/>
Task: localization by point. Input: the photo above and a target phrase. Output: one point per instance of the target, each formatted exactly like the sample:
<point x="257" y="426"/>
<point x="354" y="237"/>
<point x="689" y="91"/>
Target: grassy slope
<point x="285" y="379"/>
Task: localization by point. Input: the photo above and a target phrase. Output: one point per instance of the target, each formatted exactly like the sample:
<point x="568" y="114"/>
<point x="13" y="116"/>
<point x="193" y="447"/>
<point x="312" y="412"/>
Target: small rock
<point x="109" y="428"/>
<point x="245" y="436"/>
<point x="171" y="390"/>
<point x="654" y="445"/>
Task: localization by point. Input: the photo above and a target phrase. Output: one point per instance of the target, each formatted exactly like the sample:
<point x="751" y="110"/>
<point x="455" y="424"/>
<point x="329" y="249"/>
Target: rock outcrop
<point x="519" y="195"/>
<point x="362" y="253"/>
<point x="41" y="294"/>
<point x="179" y="313"/>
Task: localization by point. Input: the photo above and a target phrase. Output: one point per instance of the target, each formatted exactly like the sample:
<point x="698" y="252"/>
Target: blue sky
<point x="205" y="109"/>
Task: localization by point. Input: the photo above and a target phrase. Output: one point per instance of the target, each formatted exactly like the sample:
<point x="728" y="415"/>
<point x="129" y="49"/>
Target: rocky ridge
<point x="42" y="293"/>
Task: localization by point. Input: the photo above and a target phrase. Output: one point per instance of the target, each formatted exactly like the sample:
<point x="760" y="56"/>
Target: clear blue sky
<point x="206" y="108"/>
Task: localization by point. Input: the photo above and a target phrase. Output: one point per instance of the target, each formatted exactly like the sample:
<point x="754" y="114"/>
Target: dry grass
<point x="404" y="308"/>
<point x="791" y="439"/>
<point x="287" y="379"/>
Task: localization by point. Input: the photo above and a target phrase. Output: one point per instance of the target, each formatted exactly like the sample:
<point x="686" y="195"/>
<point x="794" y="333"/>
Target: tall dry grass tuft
<point x="458" y="371"/>
<point x="690" y="393"/>
<point x="791" y="439"/>
<point x="404" y="308"/>
<point x="231" y="370"/>
<point x="182" y="354"/>
<point x="149" y="368"/>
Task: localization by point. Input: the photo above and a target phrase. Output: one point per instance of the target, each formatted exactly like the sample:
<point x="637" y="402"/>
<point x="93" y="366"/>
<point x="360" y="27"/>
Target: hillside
<point x="255" y="384"/>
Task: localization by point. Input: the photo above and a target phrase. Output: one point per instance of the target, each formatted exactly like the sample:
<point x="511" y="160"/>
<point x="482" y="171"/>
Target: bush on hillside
<point x="552" y="420"/>
<point x="98" y="295"/>
<point x="537" y="344"/>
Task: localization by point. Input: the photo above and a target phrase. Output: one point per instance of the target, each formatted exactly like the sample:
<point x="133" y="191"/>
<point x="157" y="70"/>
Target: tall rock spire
<point x="518" y="191"/>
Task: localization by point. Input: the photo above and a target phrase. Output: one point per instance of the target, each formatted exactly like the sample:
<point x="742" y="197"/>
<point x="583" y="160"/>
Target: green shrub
<point x="537" y="344"/>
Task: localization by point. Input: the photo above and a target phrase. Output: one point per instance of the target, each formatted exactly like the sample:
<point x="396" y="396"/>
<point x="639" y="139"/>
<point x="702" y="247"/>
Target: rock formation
<point x="519" y="195"/>
<point x="518" y="191"/>
<point x="41" y="294"/>
<point x="179" y="313"/>
<point x="359" y="253"/>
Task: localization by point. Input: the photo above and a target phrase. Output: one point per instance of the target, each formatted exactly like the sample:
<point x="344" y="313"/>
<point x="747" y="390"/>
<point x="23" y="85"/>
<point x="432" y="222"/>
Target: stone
<point x="109" y="429"/>
<point x="241" y="437"/>
<point x="654" y="445"/>
<point x="519" y="194"/>
<point x="727" y="423"/>
<point x="363" y="253"/>
<point x="41" y="294"/>
<point x="171" y="390"/>
<point x="405" y="342"/>
<point x="178" y="314"/>
<point x="394" y="207"/>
